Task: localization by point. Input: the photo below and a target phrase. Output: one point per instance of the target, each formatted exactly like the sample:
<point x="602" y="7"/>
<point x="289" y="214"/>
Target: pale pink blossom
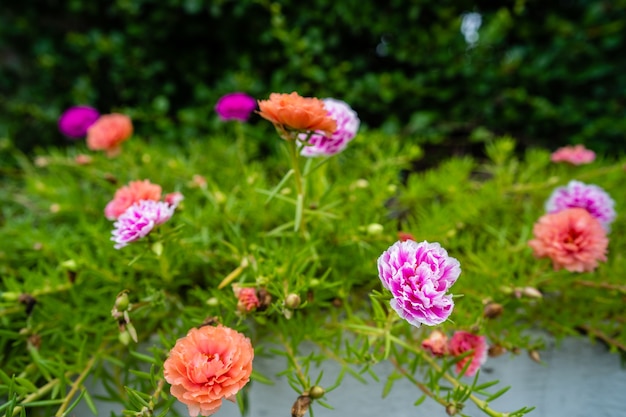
<point x="462" y="342"/>
<point x="419" y="276"/>
<point x="575" y="155"/>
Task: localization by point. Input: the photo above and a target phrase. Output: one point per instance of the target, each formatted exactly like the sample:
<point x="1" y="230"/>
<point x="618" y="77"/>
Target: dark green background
<point x="549" y="73"/>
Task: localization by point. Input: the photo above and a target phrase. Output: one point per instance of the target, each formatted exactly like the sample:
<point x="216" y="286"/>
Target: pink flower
<point x="575" y="155"/>
<point x="82" y="159"/>
<point x="347" y="127"/>
<point x="235" y="106"/>
<point x="75" y="121"/>
<point x="174" y="199"/>
<point x="572" y="238"/>
<point x="208" y="365"/>
<point x="462" y="342"/>
<point x="139" y="220"/>
<point x="419" y="276"/>
<point x="108" y="133"/>
<point x="247" y="298"/>
<point x="590" y="197"/>
<point x="130" y="194"/>
<point x="436" y="343"/>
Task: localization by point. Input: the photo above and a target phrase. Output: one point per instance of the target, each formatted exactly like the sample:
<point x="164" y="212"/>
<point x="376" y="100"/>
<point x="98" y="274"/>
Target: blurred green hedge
<point x="548" y="73"/>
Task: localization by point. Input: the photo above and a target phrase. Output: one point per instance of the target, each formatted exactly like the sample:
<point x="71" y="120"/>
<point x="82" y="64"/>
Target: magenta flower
<point x="419" y="276"/>
<point x="235" y="106"/>
<point x="589" y="197"/>
<point x="75" y="121"/>
<point x="139" y="220"/>
<point x="347" y="127"/>
<point x="462" y="342"/>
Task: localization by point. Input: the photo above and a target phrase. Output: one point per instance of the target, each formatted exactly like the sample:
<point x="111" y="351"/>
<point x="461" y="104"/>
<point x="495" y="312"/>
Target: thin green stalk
<point x="299" y="223"/>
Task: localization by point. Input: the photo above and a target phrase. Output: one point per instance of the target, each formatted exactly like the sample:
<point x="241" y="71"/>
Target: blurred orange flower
<point x="108" y="132"/>
<point x="130" y="194"/>
<point x="572" y="238"/>
<point x="292" y="112"/>
<point x="207" y="365"/>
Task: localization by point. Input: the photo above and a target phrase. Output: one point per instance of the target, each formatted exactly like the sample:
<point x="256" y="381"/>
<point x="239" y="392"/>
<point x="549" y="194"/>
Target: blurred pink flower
<point x="572" y="238"/>
<point x="462" y="342"/>
<point x="130" y="194"/>
<point x="108" y="133"/>
<point x="590" y="197"/>
<point x="436" y="343"/>
<point x="75" y="121"/>
<point x="247" y="298"/>
<point x="174" y="199"/>
<point x="208" y="365"/>
<point x="419" y="276"/>
<point x="347" y="127"/>
<point x="575" y="155"/>
<point x="235" y="106"/>
<point x="82" y="159"/>
<point x="139" y="220"/>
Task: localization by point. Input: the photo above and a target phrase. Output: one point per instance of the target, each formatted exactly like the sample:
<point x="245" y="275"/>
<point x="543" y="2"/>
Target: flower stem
<point x="299" y="224"/>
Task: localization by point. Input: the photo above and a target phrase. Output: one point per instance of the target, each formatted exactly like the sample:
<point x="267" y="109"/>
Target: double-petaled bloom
<point x="572" y="238"/>
<point x="139" y="220"/>
<point x="419" y="276"/>
<point x="292" y="114"/>
<point x="587" y="196"/>
<point x="130" y="194"/>
<point x="462" y="342"/>
<point x="208" y="365"/>
<point x="108" y="133"/>
<point x="319" y="144"/>
<point x="575" y="155"/>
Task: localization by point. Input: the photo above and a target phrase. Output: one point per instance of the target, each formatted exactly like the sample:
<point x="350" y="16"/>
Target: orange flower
<point x="207" y="365"/>
<point x="296" y="113"/>
<point x="130" y="194"/>
<point x="108" y="132"/>
<point x="572" y="238"/>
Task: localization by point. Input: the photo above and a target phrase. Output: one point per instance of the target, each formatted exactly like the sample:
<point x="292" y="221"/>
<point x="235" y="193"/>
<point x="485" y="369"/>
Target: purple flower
<point x="75" y="121"/>
<point x="139" y="220"/>
<point x="235" y="106"/>
<point x="418" y="276"/>
<point x="347" y="126"/>
<point x="589" y="197"/>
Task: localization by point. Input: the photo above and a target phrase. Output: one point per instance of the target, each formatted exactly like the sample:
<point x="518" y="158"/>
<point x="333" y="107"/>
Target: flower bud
<point x="532" y="292"/>
<point x="493" y="310"/>
<point x="316" y="392"/>
<point x="534" y="355"/>
<point x="375" y="229"/>
<point x="451" y="409"/>
<point x="122" y="302"/>
<point x="124" y="338"/>
<point x="495" y="351"/>
<point x="292" y="301"/>
<point x="213" y="302"/>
